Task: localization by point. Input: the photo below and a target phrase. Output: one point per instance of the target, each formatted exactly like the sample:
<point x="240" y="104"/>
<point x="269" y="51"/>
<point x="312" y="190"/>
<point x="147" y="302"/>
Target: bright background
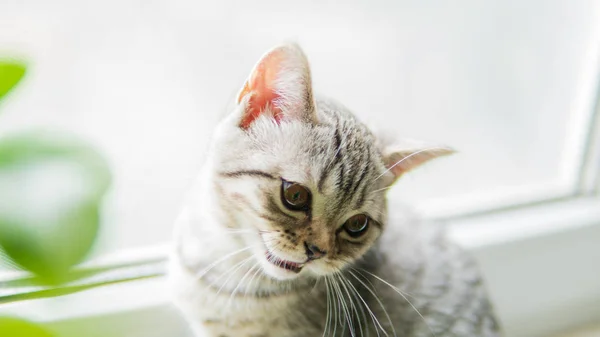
<point x="512" y="85"/>
<point x="508" y="84"/>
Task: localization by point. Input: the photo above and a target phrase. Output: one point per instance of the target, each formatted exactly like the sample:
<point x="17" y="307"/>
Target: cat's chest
<point x="216" y="312"/>
<point x="224" y="315"/>
<point x="232" y="327"/>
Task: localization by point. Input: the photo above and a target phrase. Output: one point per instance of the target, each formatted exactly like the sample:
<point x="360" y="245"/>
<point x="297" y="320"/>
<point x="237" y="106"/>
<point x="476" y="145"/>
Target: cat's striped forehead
<point x="348" y="164"/>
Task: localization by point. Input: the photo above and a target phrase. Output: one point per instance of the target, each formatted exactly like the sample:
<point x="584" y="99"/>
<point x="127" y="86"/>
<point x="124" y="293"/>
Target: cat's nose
<point x="313" y="252"/>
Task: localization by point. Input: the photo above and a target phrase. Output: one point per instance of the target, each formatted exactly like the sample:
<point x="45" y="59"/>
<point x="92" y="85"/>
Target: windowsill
<point x="518" y="224"/>
<point x="592" y="331"/>
<point x="540" y="263"/>
<point x="525" y="254"/>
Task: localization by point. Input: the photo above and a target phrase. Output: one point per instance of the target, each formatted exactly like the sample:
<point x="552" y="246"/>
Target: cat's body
<point x="288" y="232"/>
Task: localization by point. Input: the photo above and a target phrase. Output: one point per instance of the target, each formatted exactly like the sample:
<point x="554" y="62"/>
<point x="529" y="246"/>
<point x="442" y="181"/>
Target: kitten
<point x="288" y="233"/>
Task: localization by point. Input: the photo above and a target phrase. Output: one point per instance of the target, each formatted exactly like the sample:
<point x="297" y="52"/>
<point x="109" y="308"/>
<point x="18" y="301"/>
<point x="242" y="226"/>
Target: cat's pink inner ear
<point x="261" y="88"/>
<point x="400" y="161"/>
<point x="279" y="85"/>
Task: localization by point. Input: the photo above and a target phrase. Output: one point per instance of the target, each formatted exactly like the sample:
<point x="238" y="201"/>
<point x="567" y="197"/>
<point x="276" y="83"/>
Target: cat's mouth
<point x="284" y="264"/>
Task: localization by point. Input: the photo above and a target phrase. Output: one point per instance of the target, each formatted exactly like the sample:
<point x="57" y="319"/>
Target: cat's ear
<point x="401" y="157"/>
<point x="279" y="86"/>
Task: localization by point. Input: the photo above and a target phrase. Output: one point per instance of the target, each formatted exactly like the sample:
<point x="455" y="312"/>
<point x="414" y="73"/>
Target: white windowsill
<point x="540" y="263"/>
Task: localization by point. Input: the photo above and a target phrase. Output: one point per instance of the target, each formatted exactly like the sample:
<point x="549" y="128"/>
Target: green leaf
<point x="10" y="74"/>
<point x="14" y="327"/>
<point x="51" y="190"/>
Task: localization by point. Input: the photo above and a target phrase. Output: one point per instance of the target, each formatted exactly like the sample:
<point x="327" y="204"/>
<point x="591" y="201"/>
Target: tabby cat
<point x="288" y="233"/>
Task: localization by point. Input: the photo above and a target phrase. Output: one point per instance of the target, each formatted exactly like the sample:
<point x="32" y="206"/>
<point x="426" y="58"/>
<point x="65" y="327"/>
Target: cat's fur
<point x="400" y="278"/>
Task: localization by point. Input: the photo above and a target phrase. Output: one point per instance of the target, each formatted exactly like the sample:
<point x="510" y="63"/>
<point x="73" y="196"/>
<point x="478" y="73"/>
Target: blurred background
<point x="510" y="84"/>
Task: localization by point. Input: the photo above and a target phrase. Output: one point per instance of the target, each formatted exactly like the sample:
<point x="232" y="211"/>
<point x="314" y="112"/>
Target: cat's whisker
<point x="381" y="189"/>
<point x="328" y="317"/>
<point x="352" y="304"/>
<point x="408" y="157"/>
<point x="361" y="274"/>
<point x="275" y="243"/>
<point x="249" y="286"/>
<point x="234" y="292"/>
<point x="338" y="318"/>
<point x="239" y="230"/>
<point x="365" y="278"/>
<point x="404" y="297"/>
<point x="346" y="310"/>
<point x="374" y="319"/>
<point x="203" y="272"/>
<point x="223" y="231"/>
<point x="361" y="303"/>
<point x="265" y="231"/>
<point x="232" y="271"/>
<point x="336" y="309"/>
<point x="378" y="301"/>
<point x="271" y="240"/>
<point x="315" y="286"/>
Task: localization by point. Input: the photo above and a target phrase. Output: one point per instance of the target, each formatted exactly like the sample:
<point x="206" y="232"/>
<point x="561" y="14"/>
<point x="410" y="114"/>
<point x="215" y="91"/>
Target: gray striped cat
<point x="288" y="234"/>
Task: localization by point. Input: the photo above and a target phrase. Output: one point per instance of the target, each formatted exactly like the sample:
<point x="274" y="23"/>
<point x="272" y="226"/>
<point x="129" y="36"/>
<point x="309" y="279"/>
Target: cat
<point x="287" y="232"/>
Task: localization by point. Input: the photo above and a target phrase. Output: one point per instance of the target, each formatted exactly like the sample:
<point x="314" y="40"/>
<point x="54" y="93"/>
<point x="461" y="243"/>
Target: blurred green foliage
<point x="51" y="191"/>
<point x="10" y="74"/>
<point x="49" y="206"/>
<point x="13" y="327"/>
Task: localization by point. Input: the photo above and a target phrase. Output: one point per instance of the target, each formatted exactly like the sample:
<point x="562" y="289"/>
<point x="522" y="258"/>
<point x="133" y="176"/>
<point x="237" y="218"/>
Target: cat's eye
<point x="295" y="196"/>
<point x="357" y="225"/>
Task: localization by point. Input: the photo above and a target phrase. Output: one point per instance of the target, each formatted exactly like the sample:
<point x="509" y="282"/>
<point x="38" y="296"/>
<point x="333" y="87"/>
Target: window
<point x="511" y="85"/>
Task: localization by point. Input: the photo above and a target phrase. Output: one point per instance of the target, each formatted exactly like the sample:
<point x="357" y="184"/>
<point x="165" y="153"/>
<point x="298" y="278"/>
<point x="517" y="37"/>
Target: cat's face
<point x="309" y="190"/>
<point x="305" y="175"/>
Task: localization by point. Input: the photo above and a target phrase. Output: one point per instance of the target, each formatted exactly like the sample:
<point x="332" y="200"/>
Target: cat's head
<point x="303" y="173"/>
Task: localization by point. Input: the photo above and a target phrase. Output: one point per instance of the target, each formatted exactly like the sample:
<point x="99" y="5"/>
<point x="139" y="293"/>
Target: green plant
<point x="10" y="74"/>
<point x="10" y="327"/>
<point x="49" y="208"/>
<point x="51" y="191"/>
